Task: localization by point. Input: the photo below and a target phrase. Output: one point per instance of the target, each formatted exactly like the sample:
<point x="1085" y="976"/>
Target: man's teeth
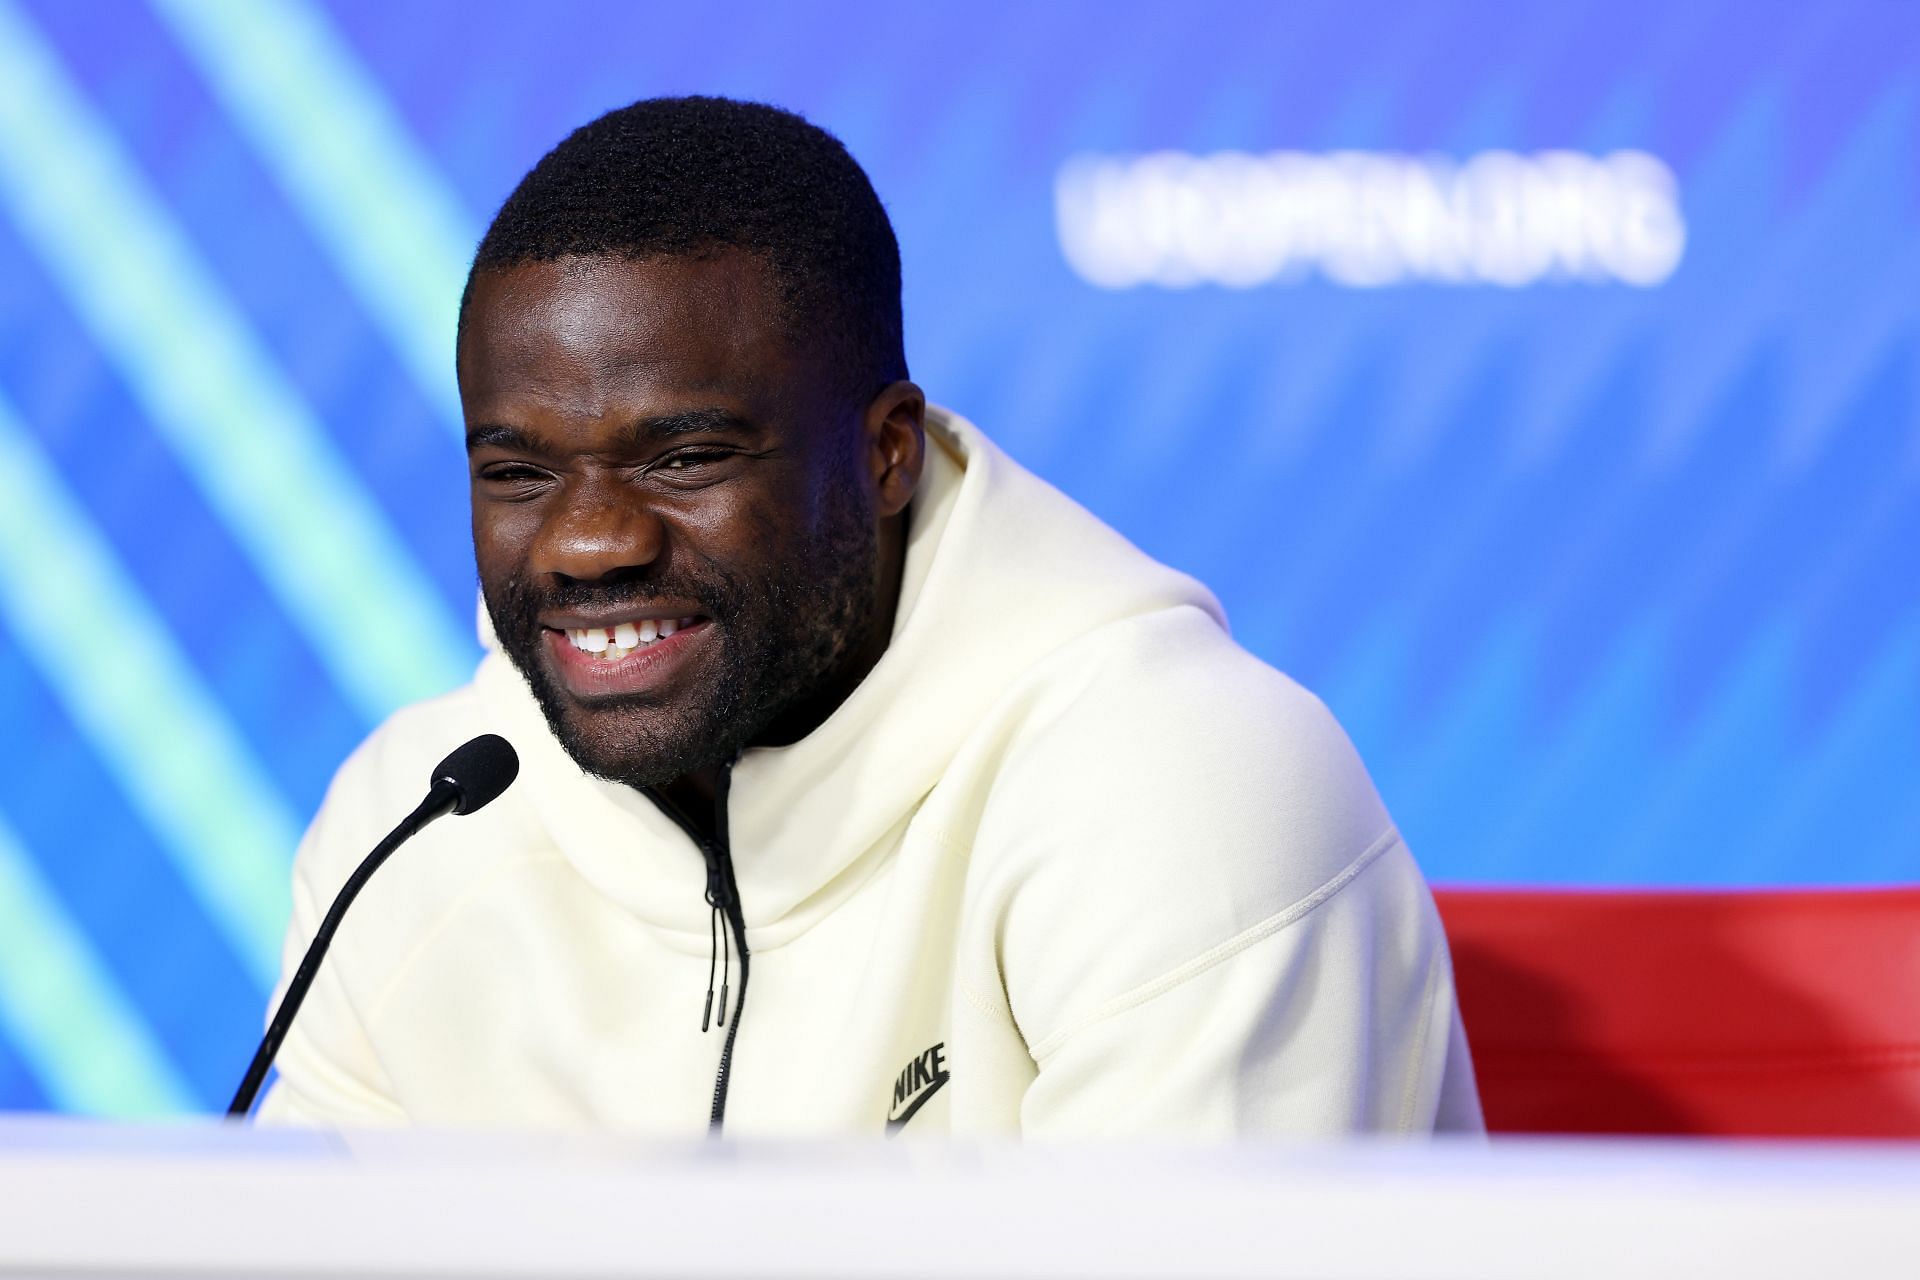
<point x="622" y="639"/>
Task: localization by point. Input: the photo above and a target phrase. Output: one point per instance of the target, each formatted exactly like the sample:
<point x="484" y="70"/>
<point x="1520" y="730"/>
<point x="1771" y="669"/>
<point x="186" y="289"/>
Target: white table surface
<point x="98" y="1200"/>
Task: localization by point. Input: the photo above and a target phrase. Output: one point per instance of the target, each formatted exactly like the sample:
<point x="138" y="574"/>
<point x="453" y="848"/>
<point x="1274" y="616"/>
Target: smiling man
<point x="815" y="687"/>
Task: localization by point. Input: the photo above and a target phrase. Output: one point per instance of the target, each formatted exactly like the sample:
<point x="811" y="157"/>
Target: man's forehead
<point x="612" y="294"/>
<point x="706" y="321"/>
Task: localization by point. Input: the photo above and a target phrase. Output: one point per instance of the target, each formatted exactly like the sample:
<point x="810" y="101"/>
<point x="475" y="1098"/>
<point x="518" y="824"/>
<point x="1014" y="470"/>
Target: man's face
<point x="674" y="539"/>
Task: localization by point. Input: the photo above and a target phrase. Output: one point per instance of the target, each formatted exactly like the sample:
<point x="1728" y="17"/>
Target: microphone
<point x="472" y="776"/>
<point x="475" y="774"/>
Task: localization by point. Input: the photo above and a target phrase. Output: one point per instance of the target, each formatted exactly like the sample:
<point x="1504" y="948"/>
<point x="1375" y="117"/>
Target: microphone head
<point x="478" y="771"/>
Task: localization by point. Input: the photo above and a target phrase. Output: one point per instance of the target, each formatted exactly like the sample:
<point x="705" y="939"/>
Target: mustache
<point x="524" y="600"/>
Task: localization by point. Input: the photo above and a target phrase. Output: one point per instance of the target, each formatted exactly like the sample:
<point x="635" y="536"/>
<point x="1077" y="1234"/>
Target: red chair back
<point x="1718" y="1013"/>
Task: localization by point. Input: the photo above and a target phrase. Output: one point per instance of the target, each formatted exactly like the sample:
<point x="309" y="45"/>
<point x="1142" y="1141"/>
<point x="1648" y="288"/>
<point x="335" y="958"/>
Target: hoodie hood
<point x="1001" y="570"/>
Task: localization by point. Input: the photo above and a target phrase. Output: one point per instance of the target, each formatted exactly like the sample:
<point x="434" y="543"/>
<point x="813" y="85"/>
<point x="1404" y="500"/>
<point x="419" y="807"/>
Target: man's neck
<point x="693" y="793"/>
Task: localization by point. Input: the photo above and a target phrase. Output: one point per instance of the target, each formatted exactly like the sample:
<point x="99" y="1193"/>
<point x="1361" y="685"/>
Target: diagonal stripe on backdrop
<point x="252" y="445"/>
<point x="180" y="761"/>
<point x="325" y="130"/>
<point x="63" y="1014"/>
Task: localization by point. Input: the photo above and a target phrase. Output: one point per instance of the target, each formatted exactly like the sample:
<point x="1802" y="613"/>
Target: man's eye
<point x="513" y="477"/>
<point x="690" y="459"/>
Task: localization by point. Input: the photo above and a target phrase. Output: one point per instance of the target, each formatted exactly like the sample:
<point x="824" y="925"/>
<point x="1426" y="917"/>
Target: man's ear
<point x="896" y="445"/>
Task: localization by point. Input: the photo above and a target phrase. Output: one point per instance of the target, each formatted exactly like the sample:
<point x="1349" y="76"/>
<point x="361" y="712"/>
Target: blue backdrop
<point x="1535" y="381"/>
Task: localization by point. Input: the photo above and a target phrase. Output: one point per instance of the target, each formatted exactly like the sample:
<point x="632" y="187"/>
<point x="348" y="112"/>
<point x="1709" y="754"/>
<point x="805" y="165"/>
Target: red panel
<point x="1729" y="1013"/>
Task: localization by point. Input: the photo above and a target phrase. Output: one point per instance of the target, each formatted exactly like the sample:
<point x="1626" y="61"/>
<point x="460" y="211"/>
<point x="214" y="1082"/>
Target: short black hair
<point x="690" y="176"/>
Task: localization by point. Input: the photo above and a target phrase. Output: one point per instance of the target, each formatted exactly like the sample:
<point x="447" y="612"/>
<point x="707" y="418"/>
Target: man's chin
<point x="639" y="740"/>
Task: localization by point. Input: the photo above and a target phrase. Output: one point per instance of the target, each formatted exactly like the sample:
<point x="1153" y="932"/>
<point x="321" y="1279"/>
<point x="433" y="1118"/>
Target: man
<point x="868" y="784"/>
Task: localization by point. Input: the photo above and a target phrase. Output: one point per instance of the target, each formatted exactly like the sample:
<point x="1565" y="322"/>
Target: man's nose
<point x="599" y="530"/>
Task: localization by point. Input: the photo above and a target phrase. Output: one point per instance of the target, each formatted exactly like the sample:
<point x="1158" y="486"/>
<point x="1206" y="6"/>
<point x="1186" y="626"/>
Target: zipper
<point x="723" y="896"/>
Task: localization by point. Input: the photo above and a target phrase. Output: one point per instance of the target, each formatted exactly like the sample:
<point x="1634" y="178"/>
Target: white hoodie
<point x="1068" y="862"/>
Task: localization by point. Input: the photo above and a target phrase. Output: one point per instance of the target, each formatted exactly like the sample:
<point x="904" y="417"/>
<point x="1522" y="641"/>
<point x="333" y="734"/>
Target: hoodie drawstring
<point x="726" y="932"/>
<point x="713" y="946"/>
<point x="719" y="949"/>
<point x="726" y="959"/>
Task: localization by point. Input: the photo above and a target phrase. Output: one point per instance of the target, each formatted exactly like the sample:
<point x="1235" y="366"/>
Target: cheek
<point x="734" y="524"/>
<point x="501" y="540"/>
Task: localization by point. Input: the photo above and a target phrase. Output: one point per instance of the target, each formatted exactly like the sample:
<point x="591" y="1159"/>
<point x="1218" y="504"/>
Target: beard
<point x="786" y="633"/>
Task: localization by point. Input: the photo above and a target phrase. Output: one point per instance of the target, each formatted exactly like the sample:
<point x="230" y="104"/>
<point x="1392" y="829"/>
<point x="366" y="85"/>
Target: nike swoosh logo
<point x="894" y="1122"/>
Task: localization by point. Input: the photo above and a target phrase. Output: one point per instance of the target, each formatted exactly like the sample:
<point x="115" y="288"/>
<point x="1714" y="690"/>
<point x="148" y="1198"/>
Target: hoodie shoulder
<point x="1169" y="707"/>
<point x="1161" y="778"/>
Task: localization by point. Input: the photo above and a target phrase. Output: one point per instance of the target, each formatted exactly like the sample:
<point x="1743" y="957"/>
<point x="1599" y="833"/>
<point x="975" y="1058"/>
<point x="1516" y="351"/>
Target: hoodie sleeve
<point x="1335" y="1016"/>
<point x="1206" y="924"/>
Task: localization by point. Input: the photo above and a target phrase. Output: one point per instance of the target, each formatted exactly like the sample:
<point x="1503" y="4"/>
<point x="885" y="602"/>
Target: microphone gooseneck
<point x="473" y="775"/>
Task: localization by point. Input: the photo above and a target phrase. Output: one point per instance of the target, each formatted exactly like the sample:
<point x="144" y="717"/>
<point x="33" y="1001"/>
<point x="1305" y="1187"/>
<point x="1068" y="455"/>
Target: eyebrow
<point x="688" y="422"/>
<point x="665" y="426"/>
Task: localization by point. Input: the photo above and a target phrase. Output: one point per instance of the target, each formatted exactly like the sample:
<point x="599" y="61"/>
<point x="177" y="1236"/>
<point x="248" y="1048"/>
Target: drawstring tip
<point x="706" y="1019"/>
<point x="723" y="1004"/>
